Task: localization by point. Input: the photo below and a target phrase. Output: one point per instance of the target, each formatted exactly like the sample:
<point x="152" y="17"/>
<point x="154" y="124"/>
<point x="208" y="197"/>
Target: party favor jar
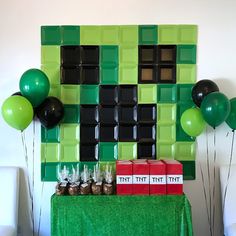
<point x="62" y="185"/>
<point x="108" y="186"/>
<point x="97" y="181"/>
<point x="85" y="187"/>
<point x="74" y="181"/>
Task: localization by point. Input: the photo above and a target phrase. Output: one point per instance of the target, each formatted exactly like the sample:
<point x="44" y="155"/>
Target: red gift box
<point x="157" y="170"/>
<point x="124" y="181"/>
<point x="174" y="175"/>
<point x="140" y="177"/>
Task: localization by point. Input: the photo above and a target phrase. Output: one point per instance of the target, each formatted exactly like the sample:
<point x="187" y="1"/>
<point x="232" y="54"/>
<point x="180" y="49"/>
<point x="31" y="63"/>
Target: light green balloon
<point x="192" y="122"/>
<point x="18" y="112"/>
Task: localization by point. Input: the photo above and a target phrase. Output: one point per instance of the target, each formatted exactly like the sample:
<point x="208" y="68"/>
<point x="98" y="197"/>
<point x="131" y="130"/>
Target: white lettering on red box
<point x="157" y="179"/>
<point x="124" y="179"/>
<point x="140" y="179"/>
<point x="174" y="179"/>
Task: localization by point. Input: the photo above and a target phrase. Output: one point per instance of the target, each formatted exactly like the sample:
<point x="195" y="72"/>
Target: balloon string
<point x="204" y="191"/>
<point x="214" y="179"/>
<point x="27" y="172"/>
<point x="40" y="210"/>
<point x="205" y="196"/>
<point x="42" y="187"/>
<point x="229" y="171"/>
<point x="209" y="177"/>
<point x="33" y="176"/>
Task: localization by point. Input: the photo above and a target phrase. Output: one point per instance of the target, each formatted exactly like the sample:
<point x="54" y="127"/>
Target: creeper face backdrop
<point x="124" y="89"/>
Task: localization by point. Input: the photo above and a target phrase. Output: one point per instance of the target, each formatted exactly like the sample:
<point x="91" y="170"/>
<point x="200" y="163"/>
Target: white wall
<point x="20" y="23"/>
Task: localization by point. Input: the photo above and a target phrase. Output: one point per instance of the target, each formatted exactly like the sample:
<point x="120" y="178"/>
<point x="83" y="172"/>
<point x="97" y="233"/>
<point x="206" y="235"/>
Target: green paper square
<point x="129" y="34"/>
<point x="166" y="113"/>
<point x="109" y="74"/>
<point x="89" y="94"/>
<point x="70" y="94"/>
<point x="128" y="54"/>
<point x="69" y="152"/>
<point x="52" y="72"/>
<point x="69" y="133"/>
<point x="184" y="92"/>
<point x="109" y="55"/>
<point x="185" y="151"/>
<point x="71" y="114"/>
<point x="108" y="151"/>
<point x="148" y="34"/>
<point x="188" y="34"/>
<point x="189" y="170"/>
<point x="166" y="133"/>
<point x="166" y="93"/>
<point x="90" y="35"/>
<point x="168" y="34"/>
<point x="127" y="150"/>
<point x="49" y="171"/>
<point x="165" y="151"/>
<point x="110" y="35"/>
<point x="50" y="152"/>
<point x="186" y="54"/>
<point x="50" y="55"/>
<point x="128" y="74"/>
<point x="181" y="136"/>
<point x="55" y="91"/>
<point x="147" y="93"/>
<point x="186" y="74"/>
<point x="50" y="135"/>
<point x="50" y="35"/>
<point x="70" y="35"/>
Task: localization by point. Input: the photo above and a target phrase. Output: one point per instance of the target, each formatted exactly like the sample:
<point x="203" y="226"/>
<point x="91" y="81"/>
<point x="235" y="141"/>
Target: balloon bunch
<point x="19" y="109"/>
<point x="212" y="107"/>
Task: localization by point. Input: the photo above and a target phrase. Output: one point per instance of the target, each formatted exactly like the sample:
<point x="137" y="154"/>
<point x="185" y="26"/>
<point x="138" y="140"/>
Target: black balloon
<point x="201" y="89"/>
<point x="50" y="112"/>
<point x="17" y="94"/>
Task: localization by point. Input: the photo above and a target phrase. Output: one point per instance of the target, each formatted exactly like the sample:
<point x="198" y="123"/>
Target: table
<point x="120" y="215"/>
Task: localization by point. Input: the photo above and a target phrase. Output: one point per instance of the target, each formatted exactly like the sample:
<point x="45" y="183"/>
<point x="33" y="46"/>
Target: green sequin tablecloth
<point x="120" y="216"/>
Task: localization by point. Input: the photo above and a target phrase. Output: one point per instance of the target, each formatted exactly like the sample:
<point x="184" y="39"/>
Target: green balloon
<point x="192" y="122"/>
<point x="215" y="108"/>
<point x="231" y="120"/>
<point x="18" y="112"/>
<point x="34" y="85"/>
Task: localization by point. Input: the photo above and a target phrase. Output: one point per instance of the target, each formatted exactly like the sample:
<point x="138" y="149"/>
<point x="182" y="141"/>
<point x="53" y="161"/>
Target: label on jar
<point x="84" y="185"/>
<point x="63" y="184"/>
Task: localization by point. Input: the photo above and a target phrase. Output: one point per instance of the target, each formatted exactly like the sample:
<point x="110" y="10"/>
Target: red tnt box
<point x="140" y="177"/>
<point x="124" y="181"/>
<point x="174" y="175"/>
<point x="157" y="170"/>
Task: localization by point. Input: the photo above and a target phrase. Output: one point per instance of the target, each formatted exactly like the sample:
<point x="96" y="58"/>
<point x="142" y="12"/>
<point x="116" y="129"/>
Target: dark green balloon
<point x="215" y="108"/>
<point x="231" y="120"/>
<point x="34" y="85"/>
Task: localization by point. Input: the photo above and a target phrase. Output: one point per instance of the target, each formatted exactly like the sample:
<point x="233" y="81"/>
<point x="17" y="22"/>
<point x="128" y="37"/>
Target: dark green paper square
<point x="186" y="54"/>
<point x="148" y="34"/>
<point x="71" y="114"/>
<point x="50" y="35"/>
<point x="50" y="135"/>
<point x="70" y="35"/>
<point x="189" y="170"/>
<point x="108" y="151"/>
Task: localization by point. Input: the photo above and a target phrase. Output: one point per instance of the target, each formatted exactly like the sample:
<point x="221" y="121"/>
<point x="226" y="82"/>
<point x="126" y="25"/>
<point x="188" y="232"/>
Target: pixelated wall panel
<point x="124" y="89"/>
